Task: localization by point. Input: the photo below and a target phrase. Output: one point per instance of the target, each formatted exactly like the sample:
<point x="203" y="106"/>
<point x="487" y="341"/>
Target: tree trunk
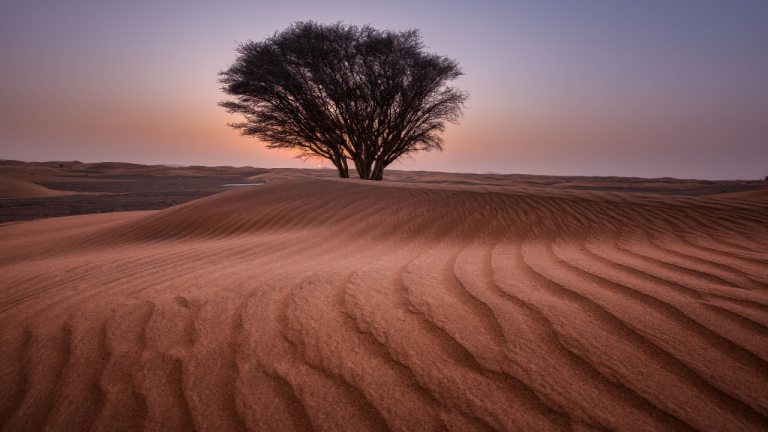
<point x="344" y="171"/>
<point x="362" y="168"/>
<point x="340" y="162"/>
<point x="378" y="171"/>
<point x="370" y="170"/>
<point x="369" y="167"/>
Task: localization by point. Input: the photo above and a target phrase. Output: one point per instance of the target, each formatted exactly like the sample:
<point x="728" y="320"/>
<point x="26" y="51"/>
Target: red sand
<point x="748" y="195"/>
<point x="349" y="305"/>
<point x="14" y="188"/>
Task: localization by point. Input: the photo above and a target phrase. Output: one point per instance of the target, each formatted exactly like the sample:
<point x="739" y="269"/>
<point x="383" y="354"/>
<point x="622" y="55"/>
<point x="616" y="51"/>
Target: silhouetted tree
<point x="344" y="92"/>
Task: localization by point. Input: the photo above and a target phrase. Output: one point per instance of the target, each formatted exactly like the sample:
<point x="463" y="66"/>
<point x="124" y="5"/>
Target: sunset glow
<point x="645" y="89"/>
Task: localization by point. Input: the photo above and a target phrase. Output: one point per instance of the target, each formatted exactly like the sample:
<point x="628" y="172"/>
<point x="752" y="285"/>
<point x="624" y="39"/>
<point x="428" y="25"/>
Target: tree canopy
<point x="343" y="92"/>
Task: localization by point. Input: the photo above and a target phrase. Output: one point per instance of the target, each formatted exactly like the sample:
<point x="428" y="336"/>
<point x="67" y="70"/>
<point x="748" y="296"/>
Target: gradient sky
<point x="628" y="88"/>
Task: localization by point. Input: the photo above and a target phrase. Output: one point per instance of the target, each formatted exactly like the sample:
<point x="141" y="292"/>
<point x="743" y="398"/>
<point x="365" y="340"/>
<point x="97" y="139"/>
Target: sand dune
<point x="13" y="188"/>
<point x="178" y="172"/>
<point x="748" y="195"/>
<point x="75" y="171"/>
<point x="345" y="305"/>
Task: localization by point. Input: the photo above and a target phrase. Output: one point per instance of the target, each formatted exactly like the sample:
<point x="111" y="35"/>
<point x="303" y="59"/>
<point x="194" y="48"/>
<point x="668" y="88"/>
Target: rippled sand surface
<point x="343" y="305"/>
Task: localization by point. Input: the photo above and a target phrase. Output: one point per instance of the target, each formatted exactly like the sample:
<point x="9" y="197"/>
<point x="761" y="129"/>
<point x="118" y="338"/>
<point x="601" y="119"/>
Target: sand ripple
<point x="332" y="305"/>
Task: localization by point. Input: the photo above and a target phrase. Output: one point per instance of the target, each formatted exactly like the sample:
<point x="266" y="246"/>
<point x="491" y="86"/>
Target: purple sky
<point x="628" y="88"/>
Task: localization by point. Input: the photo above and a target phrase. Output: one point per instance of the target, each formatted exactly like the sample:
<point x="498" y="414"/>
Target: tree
<point x="343" y="92"/>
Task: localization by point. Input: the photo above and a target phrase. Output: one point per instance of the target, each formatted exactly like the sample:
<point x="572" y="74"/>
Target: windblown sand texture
<point x="345" y="305"/>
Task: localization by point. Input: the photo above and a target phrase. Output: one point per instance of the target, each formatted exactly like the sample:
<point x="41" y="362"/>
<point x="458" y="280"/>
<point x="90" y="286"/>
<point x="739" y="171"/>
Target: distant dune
<point x="311" y="303"/>
<point x="75" y="171"/>
<point x="748" y="195"/>
<point x="13" y="188"/>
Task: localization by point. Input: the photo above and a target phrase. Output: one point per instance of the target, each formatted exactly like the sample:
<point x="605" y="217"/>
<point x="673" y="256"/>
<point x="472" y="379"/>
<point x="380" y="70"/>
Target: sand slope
<point x="14" y="188"/>
<point x="748" y="195"/>
<point x="345" y="305"/>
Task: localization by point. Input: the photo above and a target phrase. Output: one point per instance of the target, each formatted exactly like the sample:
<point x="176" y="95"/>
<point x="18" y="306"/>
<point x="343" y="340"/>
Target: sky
<point x="650" y="88"/>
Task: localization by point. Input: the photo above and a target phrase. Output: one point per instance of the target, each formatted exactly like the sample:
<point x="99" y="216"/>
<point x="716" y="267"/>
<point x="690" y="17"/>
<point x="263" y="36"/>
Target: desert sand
<point x="14" y="188"/>
<point x="748" y="195"/>
<point x="452" y="303"/>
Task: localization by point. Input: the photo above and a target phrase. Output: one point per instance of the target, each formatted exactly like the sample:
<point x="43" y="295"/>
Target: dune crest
<point x="345" y="305"/>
